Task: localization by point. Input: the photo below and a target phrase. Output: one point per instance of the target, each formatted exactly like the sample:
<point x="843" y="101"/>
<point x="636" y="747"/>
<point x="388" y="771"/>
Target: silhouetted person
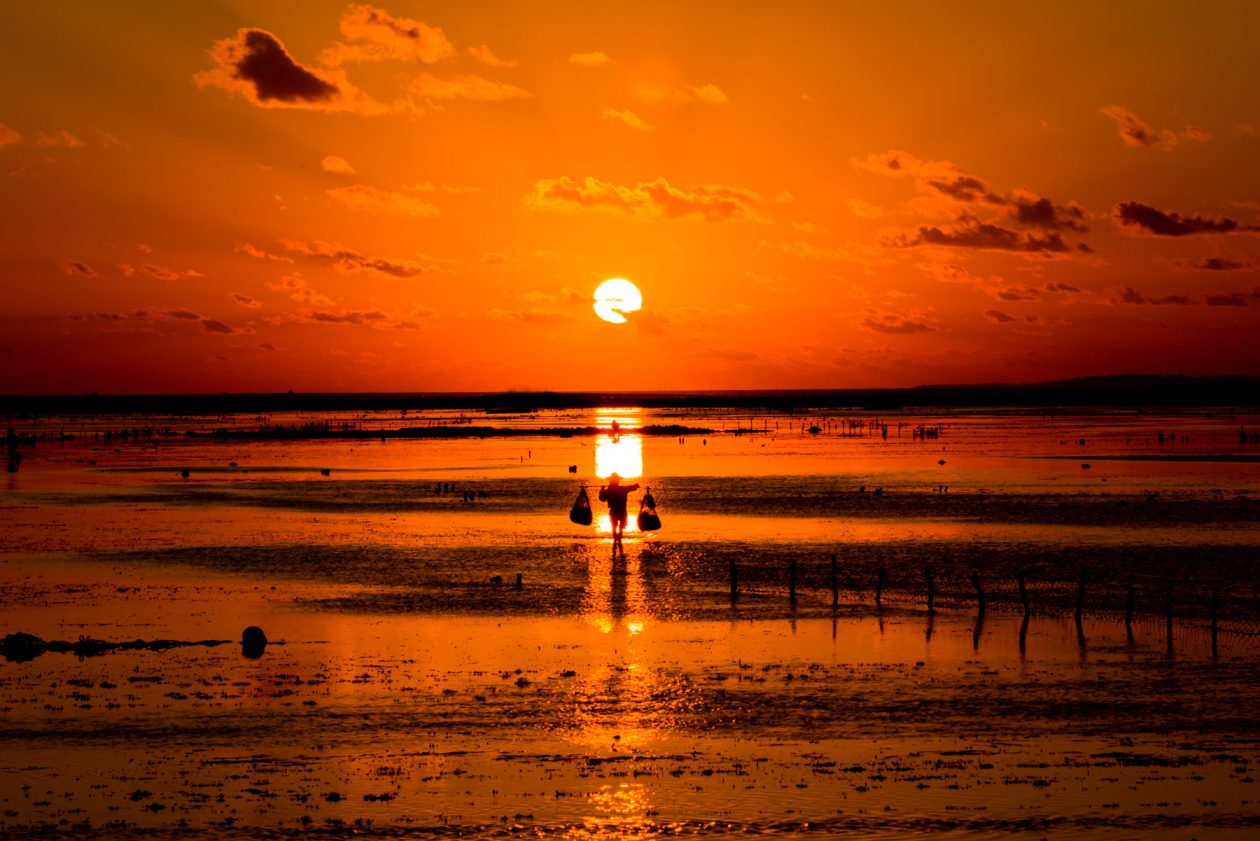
<point x="615" y="494"/>
<point x="11" y="444"/>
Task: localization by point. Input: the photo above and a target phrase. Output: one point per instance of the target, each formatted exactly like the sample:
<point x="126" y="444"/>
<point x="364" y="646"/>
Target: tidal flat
<point x="411" y="688"/>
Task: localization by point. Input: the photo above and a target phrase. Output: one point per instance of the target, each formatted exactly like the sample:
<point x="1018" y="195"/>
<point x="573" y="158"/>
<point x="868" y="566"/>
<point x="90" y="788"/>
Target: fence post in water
<point x="835" y="583"/>
<point x="518" y="581"/>
<point x="1168" y="613"/>
<point x="879" y="586"/>
<point x="1023" y="591"/>
<point x="1080" y="599"/>
<point x="931" y="594"/>
<point x="1128" y="611"/>
<point x="792" y="580"/>
<point x="975" y="582"/>
<point x="1213" y="619"/>
<point x="734" y="579"/>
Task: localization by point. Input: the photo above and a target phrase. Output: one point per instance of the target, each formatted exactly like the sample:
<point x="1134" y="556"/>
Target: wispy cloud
<point x="379" y="36"/>
<point x="706" y="94"/>
<point x="77" y="268"/>
<point x="654" y="199"/>
<point x="591" y="59"/>
<point x="245" y="301"/>
<point x="8" y="136"/>
<point x="296" y="287"/>
<point x="487" y="57"/>
<point x="627" y="118"/>
<point x="895" y="322"/>
<point x="349" y="261"/>
<point x="1133" y="131"/>
<point x="370" y="199"/>
<point x="465" y="86"/>
<point x="60" y="137"/>
<point x="1216" y="264"/>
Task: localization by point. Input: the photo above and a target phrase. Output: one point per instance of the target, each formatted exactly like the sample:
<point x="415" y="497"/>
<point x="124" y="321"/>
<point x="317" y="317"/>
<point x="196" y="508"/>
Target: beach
<point x="411" y="687"/>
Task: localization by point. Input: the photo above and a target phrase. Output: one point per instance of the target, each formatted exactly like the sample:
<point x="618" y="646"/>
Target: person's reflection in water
<point x="615" y="494"/>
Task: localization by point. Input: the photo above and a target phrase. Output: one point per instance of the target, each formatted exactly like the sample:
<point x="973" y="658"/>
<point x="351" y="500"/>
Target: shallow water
<point x="415" y="694"/>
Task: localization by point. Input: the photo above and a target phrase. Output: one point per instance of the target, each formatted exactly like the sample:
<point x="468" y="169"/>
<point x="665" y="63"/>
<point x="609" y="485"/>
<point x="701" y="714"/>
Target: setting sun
<point x="616" y="297"/>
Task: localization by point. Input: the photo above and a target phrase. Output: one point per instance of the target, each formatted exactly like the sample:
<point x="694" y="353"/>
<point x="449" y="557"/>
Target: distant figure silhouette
<point x="11" y="443"/>
<point x="615" y="494"/>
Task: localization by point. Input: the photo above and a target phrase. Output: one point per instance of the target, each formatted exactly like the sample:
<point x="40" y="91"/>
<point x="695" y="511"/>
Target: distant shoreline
<point x="1132" y="391"/>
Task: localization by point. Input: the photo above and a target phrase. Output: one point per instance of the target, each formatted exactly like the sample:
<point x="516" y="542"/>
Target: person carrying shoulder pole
<point x="616" y="494"/>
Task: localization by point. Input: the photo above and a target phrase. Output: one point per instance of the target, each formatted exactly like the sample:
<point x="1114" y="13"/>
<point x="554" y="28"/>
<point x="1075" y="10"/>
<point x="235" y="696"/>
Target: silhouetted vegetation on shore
<point x="1129" y="390"/>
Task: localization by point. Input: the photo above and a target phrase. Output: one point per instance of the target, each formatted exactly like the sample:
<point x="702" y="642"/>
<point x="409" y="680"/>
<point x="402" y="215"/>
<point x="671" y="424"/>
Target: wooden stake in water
<point x="931" y="594"/>
<point x="879" y="586"/>
<point x="1023" y="591"/>
<point x="1080" y="605"/>
<point x="835" y="583"/>
<point x="792" y="580"/>
<point x="1168" y="613"/>
<point x="734" y="579"/>
<point x="975" y="582"/>
<point x="1128" y="612"/>
<point x="518" y="581"/>
<point x="1213" y="616"/>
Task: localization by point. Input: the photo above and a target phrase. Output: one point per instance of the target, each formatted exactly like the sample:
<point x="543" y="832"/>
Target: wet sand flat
<point x="411" y="689"/>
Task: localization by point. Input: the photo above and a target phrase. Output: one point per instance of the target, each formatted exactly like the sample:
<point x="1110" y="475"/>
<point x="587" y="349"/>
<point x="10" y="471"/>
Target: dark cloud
<point x="76" y="268"/>
<point x="998" y="316"/>
<point x="1056" y="286"/>
<point x="1134" y="132"/>
<point x="1134" y="214"/>
<point x="1215" y="264"/>
<point x="347" y="317"/>
<point x="349" y="261"/>
<point x="258" y="59"/>
<point x="966" y="188"/>
<point x="1034" y="211"/>
<point x="984" y="235"/>
<point x="1220" y="299"/>
<point x="267" y="346"/>
<point x="215" y="326"/>
<point x="246" y="301"/>
<point x="185" y="315"/>
<point x="1016" y="294"/>
<point x="891" y="322"/>
<point x="1233" y="299"/>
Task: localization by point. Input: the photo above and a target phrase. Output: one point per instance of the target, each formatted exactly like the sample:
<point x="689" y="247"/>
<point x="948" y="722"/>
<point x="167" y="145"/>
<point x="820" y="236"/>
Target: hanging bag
<point x="648" y="518"/>
<point x="581" y="513"/>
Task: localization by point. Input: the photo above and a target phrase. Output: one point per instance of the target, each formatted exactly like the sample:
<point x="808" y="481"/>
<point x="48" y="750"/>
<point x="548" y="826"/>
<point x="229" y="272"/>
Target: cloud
<point x="900" y="164"/>
<point x="854" y="252"/>
<point x="296" y="287"/>
<point x="383" y="37"/>
<point x="965" y="188"/>
<point x="8" y="137"/>
<point x="182" y="315"/>
<point x="999" y="317"/>
<point x="374" y="319"/>
<point x="253" y="251"/>
<point x="372" y="200"/>
<point x="896" y="323"/>
<point x="1221" y="299"/>
<point x="1031" y="210"/>
<point x="215" y="326"/>
<point x="1196" y="133"/>
<point x="1132" y="214"/>
<point x="655" y="200"/>
<point x="1065" y="288"/>
<point x="1134" y="132"/>
<point x="593" y="59"/>
<point x="347" y="317"/>
<point x="76" y="268"/>
<point x="348" y="261"/>
<point x="337" y="165"/>
<point x="61" y="137"/>
<point x="1215" y="264"/>
<point x="159" y="272"/>
<point x="627" y="118"/>
<point x="530" y="316"/>
<point x="256" y="66"/>
<point x="428" y="187"/>
<point x="864" y="209"/>
<point x="707" y="94"/>
<point x="267" y="346"/>
<point x="487" y="57"/>
<point x="972" y="233"/>
<point x="245" y="301"/>
<point x="465" y="87"/>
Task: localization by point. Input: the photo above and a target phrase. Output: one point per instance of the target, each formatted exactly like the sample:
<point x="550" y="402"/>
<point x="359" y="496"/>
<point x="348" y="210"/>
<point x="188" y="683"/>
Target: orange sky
<point x="263" y="196"/>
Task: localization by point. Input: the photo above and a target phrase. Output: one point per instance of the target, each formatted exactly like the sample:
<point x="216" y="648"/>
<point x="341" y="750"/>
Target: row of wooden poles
<point x="981" y="598"/>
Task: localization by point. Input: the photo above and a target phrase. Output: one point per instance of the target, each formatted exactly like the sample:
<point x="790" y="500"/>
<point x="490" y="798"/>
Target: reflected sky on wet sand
<point x="409" y="686"/>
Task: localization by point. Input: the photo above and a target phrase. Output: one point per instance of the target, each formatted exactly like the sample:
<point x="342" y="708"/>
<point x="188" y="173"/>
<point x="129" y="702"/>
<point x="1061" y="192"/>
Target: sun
<point x="615" y="297"/>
